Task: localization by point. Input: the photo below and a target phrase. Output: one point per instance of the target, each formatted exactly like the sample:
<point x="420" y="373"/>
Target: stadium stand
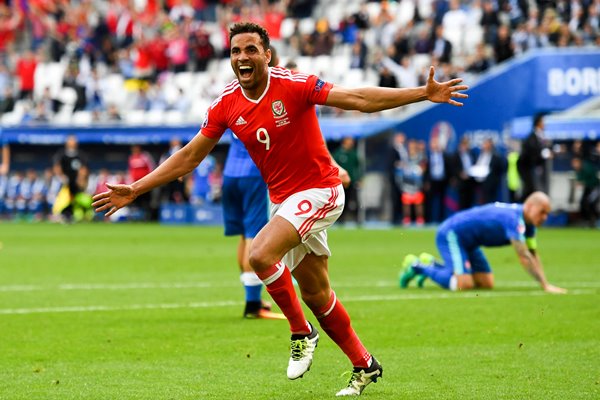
<point x="120" y="61"/>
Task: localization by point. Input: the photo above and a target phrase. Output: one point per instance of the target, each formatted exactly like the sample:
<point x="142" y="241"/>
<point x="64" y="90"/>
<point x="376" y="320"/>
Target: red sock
<point x="335" y="321"/>
<point x="278" y="281"/>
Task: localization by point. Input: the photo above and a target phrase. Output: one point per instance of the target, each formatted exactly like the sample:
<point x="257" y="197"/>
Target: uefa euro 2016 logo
<point x="445" y="134"/>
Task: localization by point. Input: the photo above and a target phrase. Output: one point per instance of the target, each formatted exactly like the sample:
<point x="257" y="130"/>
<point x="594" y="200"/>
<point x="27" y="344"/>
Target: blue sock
<point x="253" y="293"/>
<point x="438" y="273"/>
<point x="252" y="286"/>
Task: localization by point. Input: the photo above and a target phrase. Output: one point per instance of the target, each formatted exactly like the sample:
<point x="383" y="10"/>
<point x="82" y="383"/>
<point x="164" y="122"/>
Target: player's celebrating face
<point x="249" y="60"/>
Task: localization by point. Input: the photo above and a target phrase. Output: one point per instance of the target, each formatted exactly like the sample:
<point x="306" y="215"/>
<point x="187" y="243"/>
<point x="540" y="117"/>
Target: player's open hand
<point x="344" y="176"/>
<point x="554" y="289"/>
<point x="444" y="92"/>
<point x="118" y="196"/>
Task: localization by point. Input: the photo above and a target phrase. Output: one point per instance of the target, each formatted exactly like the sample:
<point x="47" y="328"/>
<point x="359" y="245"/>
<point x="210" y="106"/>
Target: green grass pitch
<point x="132" y="311"/>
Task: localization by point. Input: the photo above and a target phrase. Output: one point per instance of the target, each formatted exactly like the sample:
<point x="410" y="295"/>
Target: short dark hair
<point x="249" y="27"/>
<point x="538" y="118"/>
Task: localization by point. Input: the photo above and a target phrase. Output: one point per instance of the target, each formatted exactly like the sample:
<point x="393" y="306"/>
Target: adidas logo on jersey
<point x="240" y="121"/>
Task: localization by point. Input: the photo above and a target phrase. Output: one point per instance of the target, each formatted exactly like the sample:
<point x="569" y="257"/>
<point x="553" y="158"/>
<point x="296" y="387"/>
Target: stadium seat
<point x="82" y="118"/>
<point x="174" y="117"/>
<point x="307" y="26"/>
<point x="287" y="27"/>
<point x="135" y="117"/>
<point x="155" y="117"/>
<point x="405" y="12"/>
<point x="11" y="118"/>
<point x="304" y="64"/>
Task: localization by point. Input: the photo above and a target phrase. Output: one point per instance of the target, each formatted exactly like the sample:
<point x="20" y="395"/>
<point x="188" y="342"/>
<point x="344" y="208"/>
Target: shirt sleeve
<point x="317" y="90"/>
<point x="214" y="123"/>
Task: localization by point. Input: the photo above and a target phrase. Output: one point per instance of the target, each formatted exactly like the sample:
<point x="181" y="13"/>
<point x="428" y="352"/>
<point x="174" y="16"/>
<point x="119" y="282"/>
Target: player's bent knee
<point x="464" y="282"/>
<point x="260" y="260"/>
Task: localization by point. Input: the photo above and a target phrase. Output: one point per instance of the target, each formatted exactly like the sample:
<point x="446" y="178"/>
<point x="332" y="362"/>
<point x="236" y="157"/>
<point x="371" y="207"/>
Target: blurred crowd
<point x="63" y="192"/>
<point x="429" y="183"/>
<point x="64" y="55"/>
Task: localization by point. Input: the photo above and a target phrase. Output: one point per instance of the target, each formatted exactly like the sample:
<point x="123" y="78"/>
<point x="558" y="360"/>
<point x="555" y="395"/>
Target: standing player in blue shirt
<point x="245" y="210"/>
<point x="460" y="237"/>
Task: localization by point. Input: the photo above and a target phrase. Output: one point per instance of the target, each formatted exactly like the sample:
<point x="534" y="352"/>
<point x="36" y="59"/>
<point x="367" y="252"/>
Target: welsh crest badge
<point x="278" y="109"/>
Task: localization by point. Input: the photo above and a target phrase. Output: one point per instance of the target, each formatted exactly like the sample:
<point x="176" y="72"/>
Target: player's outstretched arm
<point x="179" y="164"/>
<point x="533" y="265"/>
<point x="372" y="99"/>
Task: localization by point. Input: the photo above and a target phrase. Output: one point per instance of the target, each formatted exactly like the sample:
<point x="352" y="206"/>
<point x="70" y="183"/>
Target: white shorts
<point x="311" y="212"/>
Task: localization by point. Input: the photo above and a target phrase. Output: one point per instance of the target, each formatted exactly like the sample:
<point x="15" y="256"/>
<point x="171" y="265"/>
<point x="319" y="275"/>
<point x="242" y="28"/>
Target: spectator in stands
<point x="157" y="47"/>
<point x="322" y="39"/>
<point x="177" y="49"/>
<point x="112" y="113"/>
<point x="491" y="167"/>
<point x="387" y="78"/>
<point x="398" y="153"/>
<point x="347" y="158"/>
<point x="490" y="21"/>
<point x="503" y="45"/>
<point x="532" y="160"/>
<point x="142" y="100"/>
<point x="10" y="20"/>
<point x="174" y="191"/>
<point x="383" y="26"/>
<point x="436" y="176"/>
<point x="25" y="71"/>
<point x="412" y="185"/>
<point x="141" y="164"/>
<point x="362" y="18"/>
<point x="513" y="180"/>
<point x="480" y="62"/>
<point x="301" y="8"/>
<point x="358" y="57"/>
<point x="12" y="192"/>
<point x="586" y="174"/>
<point x="182" y="102"/>
<point x="401" y="46"/>
<point x="454" y="24"/>
<point x="201" y="48"/>
<point x="67" y="163"/>
<point x="462" y="161"/>
<point x="94" y="92"/>
<point x="71" y="80"/>
<point x="441" y="47"/>
<point x="423" y="43"/>
<point x="6" y="79"/>
<point x="5" y="156"/>
<point x="7" y="104"/>
<point x="143" y="67"/>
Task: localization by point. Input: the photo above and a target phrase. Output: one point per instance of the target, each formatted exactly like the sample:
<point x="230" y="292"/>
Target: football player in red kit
<point x="272" y="111"/>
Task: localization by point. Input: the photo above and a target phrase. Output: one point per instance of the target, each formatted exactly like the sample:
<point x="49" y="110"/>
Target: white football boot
<point x="360" y="378"/>
<point x="302" y="348"/>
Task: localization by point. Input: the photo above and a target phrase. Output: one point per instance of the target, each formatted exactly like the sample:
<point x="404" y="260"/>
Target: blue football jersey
<point x="490" y="225"/>
<point x="238" y="163"/>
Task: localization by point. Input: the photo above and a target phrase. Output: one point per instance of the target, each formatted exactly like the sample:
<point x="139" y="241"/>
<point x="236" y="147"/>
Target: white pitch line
<point x="193" y="285"/>
<point x="397" y="297"/>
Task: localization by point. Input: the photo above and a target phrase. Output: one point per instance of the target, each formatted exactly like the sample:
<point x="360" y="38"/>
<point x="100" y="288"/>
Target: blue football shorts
<point x="463" y="261"/>
<point x="245" y="205"/>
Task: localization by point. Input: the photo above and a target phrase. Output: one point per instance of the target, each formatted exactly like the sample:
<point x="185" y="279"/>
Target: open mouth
<point x="245" y="71"/>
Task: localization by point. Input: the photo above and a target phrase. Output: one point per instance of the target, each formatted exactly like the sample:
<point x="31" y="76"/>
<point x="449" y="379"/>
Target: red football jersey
<point x="280" y="130"/>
